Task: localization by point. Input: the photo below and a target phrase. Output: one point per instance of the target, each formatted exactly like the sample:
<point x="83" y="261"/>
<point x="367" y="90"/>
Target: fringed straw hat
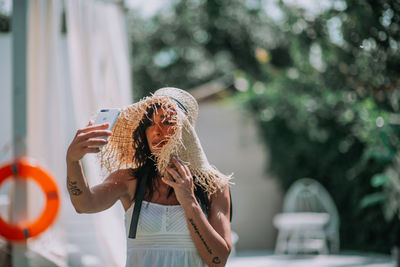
<point x="183" y="143"/>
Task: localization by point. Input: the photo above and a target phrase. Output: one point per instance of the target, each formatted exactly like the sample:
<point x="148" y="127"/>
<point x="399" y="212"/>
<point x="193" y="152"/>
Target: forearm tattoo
<point x="216" y="259"/>
<point x="73" y="188"/>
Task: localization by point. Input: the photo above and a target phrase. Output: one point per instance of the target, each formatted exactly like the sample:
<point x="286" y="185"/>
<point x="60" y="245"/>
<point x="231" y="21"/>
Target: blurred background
<point x="320" y="79"/>
<point x="287" y="89"/>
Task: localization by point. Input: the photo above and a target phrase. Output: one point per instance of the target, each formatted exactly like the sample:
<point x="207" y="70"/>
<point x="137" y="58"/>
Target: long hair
<point x="143" y="156"/>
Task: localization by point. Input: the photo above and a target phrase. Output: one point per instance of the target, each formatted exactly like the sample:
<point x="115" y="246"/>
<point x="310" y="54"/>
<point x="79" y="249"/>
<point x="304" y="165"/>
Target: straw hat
<point x="183" y="143"/>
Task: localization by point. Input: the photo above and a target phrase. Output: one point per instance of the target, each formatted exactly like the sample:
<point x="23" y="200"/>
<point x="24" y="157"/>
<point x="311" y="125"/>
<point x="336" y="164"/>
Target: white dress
<point x="162" y="238"/>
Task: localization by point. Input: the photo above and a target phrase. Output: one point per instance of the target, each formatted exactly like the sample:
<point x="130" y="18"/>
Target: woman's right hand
<point x="88" y="140"/>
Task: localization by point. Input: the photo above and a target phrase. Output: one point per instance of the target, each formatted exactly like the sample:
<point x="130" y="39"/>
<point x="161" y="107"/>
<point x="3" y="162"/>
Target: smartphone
<point x="109" y="116"/>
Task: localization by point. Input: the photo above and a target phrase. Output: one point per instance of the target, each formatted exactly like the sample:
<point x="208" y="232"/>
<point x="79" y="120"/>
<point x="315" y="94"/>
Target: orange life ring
<point x="24" y="169"/>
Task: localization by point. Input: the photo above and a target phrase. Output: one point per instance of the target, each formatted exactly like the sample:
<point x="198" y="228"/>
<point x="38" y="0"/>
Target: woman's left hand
<point x="183" y="185"/>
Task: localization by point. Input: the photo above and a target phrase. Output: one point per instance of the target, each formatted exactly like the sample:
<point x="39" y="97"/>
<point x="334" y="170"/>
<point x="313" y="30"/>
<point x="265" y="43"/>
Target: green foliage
<point x="323" y="86"/>
<point x="331" y="113"/>
<point x="192" y="42"/>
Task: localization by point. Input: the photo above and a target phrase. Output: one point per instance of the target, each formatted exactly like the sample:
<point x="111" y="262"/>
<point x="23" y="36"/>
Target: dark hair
<point x="143" y="155"/>
<point x="140" y="144"/>
<point x="143" y="158"/>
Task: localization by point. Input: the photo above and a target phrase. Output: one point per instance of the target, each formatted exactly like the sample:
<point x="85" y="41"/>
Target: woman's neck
<point x="160" y="193"/>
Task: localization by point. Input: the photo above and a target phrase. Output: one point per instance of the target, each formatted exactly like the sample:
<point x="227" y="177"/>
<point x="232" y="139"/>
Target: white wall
<point x="231" y="143"/>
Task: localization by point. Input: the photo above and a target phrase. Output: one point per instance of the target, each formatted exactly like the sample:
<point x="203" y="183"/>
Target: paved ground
<point x="347" y="259"/>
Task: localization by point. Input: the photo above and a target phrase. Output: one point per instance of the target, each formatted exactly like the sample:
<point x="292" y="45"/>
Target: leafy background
<point x="322" y="84"/>
<point x="320" y="79"/>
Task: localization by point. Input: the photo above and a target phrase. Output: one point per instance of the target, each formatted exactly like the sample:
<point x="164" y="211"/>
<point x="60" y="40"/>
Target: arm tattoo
<point x="73" y="188"/>
<point x="216" y="260"/>
<point x="201" y="237"/>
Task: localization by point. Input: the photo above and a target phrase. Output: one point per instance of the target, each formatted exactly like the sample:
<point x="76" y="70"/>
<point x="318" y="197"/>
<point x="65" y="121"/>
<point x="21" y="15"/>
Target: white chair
<point x="309" y="222"/>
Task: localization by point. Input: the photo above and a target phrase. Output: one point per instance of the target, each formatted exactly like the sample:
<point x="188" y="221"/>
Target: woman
<point x="153" y="149"/>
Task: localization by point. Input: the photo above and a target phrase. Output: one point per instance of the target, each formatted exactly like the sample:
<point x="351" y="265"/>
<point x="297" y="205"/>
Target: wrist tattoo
<point x="73" y="188"/>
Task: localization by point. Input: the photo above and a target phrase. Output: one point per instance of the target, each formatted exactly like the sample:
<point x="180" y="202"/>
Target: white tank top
<point x="162" y="238"/>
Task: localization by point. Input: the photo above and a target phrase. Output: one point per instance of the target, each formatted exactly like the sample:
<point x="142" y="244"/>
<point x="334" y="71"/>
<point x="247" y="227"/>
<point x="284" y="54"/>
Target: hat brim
<point x="119" y="152"/>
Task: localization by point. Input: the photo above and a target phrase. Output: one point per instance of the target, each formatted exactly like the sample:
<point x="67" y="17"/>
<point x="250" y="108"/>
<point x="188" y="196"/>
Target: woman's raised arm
<point x="102" y="196"/>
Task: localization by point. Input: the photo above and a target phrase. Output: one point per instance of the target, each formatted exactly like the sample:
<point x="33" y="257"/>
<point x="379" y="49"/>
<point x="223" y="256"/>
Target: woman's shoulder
<point x="222" y="194"/>
<point x="221" y="202"/>
<point x="126" y="179"/>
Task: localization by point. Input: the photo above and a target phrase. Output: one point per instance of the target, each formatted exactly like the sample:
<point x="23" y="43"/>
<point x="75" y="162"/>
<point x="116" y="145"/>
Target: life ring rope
<point x="25" y="169"/>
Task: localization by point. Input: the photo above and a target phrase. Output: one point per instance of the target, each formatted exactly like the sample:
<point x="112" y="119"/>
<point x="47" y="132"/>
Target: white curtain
<point x="99" y="77"/>
<point x="46" y="111"/>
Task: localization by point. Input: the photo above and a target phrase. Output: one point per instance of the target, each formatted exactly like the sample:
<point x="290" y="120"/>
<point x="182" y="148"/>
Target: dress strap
<point x="138" y="202"/>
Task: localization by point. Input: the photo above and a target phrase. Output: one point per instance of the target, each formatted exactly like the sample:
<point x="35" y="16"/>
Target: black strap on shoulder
<point x="201" y="196"/>
<point x="138" y="201"/>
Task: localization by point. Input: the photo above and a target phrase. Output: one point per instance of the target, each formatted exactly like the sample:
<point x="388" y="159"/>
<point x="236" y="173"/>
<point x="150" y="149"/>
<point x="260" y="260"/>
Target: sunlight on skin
<point x="159" y="132"/>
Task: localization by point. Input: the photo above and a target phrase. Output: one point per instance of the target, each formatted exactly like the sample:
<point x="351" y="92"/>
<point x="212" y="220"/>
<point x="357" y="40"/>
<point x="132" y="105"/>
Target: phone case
<point x="107" y="116"/>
